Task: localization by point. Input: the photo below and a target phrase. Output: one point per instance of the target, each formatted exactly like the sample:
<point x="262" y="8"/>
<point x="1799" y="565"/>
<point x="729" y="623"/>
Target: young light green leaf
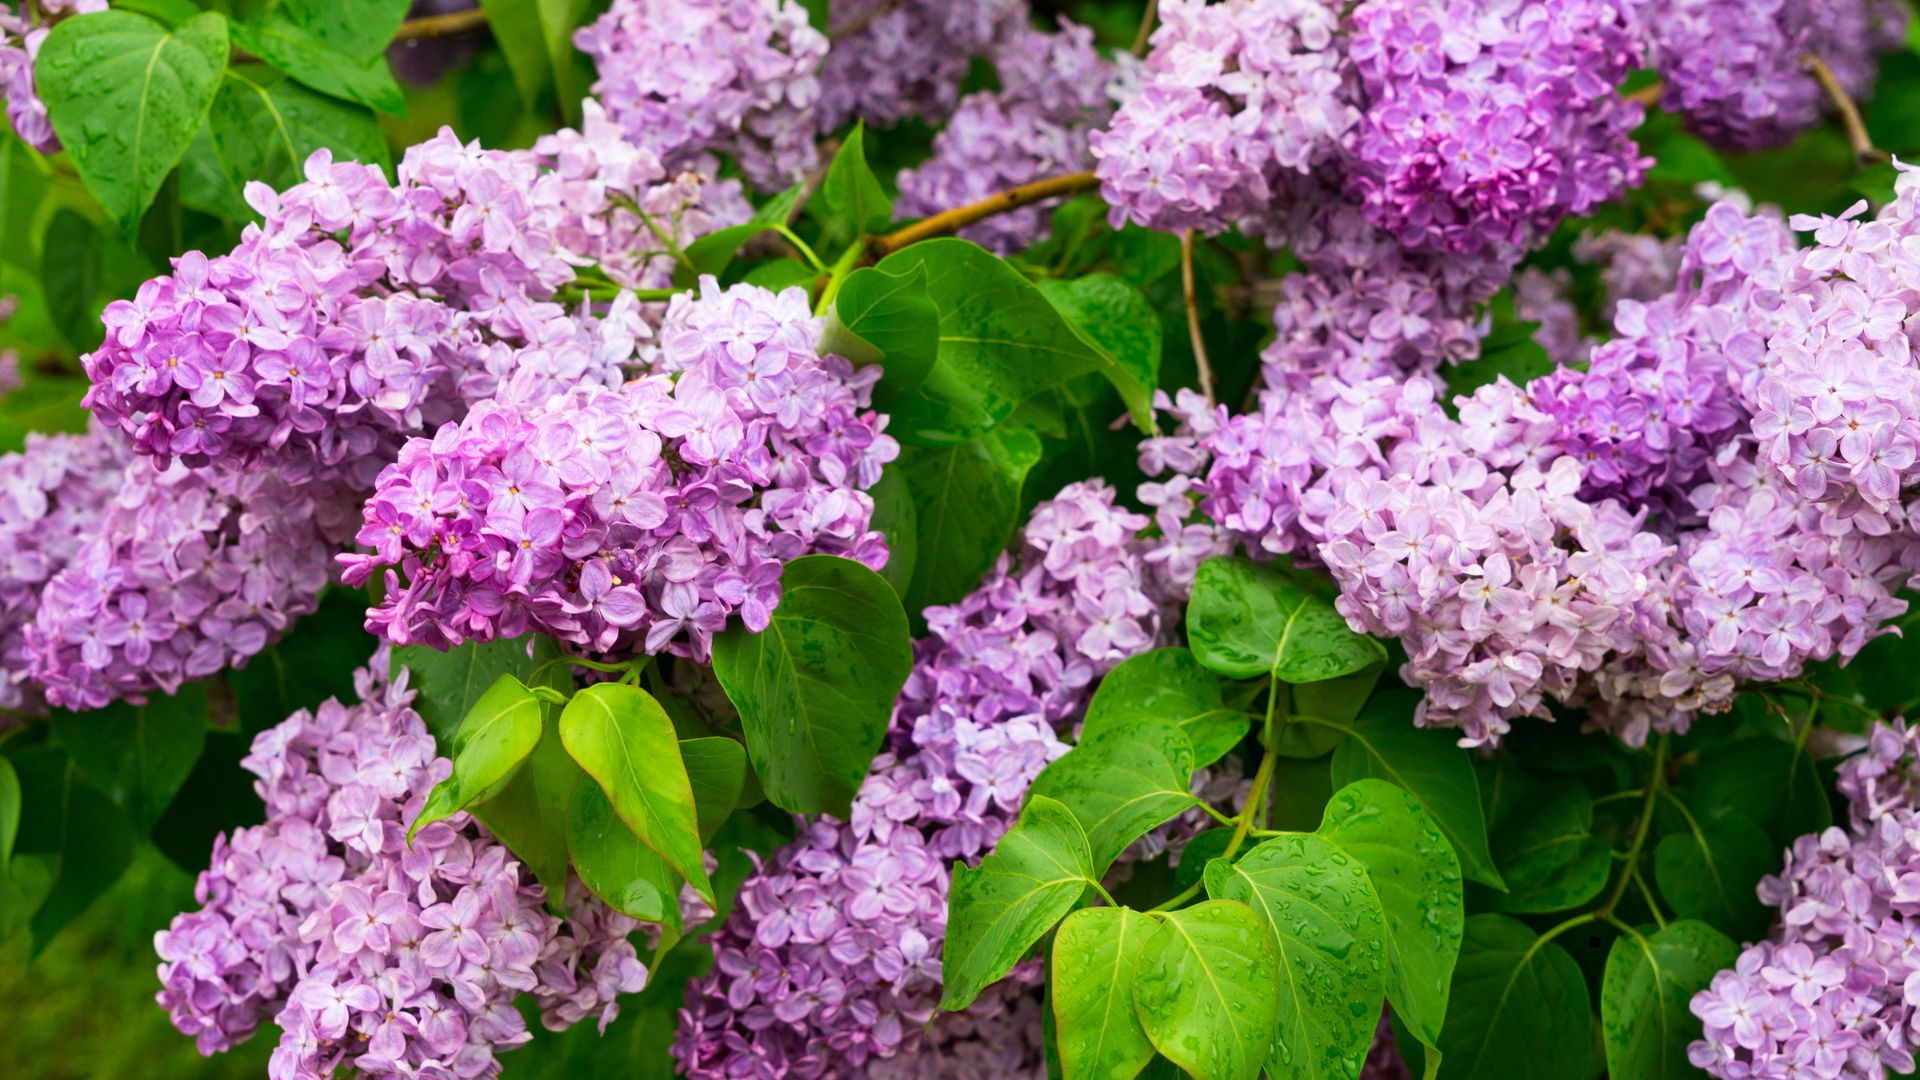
<point x="1120" y="783"/>
<point x="816" y="688"/>
<point x="851" y="194"/>
<point x="278" y="39"/>
<point x="88" y="841"/>
<point x="126" y="95"/>
<point x="967" y="501"/>
<point x="1709" y="873"/>
<point x="1091" y="985"/>
<point x="996" y="912"/>
<point x="496" y="736"/>
<point x="615" y="865"/>
<point x="1649" y="981"/>
<point x="1246" y="619"/>
<point x="1417" y="879"/>
<point x="886" y="319"/>
<point x="1549" y="856"/>
<point x="624" y="741"/>
<point x="1001" y="342"/>
<point x="1206" y="990"/>
<point x="529" y="812"/>
<point x="717" y="769"/>
<point x="1319" y="904"/>
<point x="1168" y="684"/>
<point x="1427" y="764"/>
<point x="138" y="755"/>
<point x="450" y="682"/>
<point x="1519" y="1007"/>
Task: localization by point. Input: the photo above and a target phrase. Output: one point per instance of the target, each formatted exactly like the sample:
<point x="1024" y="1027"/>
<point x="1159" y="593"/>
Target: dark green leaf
<point x="999" y="910"/>
<point x="1206" y="990"/>
<point x="450" y="682"/>
<point x="1319" y="904"/>
<point x="896" y="518"/>
<point x="494" y="738"/>
<point x="851" y="193"/>
<point x="265" y="125"/>
<point x="1509" y="349"/>
<point x="314" y="662"/>
<point x="1091" y="987"/>
<point x="1710" y="871"/>
<point x="717" y="769"/>
<point x="1001" y="342"/>
<point x="1246" y="620"/>
<point x="1121" y="782"/>
<point x="1769" y="783"/>
<point x="1417" y="879"/>
<point x="277" y="39"/>
<point x="967" y="501"/>
<point x="70" y="274"/>
<point x="881" y="318"/>
<point x="529" y="813"/>
<point x="126" y="95"/>
<point x="624" y="741"/>
<point x="616" y="866"/>
<point x="358" y="28"/>
<point x="1549" y="856"/>
<point x="1649" y="981"/>
<point x="9" y="814"/>
<point x="1201" y="850"/>
<point x="1519" y="1007"/>
<point x="1112" y="316"/>
<point x="1167" y="684"/>
<point x="138" y="755"/>
<point x="816" y="688"/>
<point x="87" y="840"/>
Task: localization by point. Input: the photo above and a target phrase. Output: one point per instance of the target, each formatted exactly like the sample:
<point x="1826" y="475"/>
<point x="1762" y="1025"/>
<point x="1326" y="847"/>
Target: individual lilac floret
<point x="688" y="78"/>
<point x="893" y="60"/>
<point x="830" y="966"/>
<point x="639" y="518"/>
<point x="366" y="952"/>
<point x="1052" y="92"/>
<point x="22" y="31"/>
<point x="1736" y="70"/>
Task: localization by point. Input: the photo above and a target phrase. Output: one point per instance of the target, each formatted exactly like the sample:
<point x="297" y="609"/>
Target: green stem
<point x="1646" y="893"/>
<point x="1178" y="898"/>
<point x="1218" y="816"/>
<point x="849" y="259"/>
<point x="801" y="246"/>
<point x="1641" y="829"/>
<point x="1104" y="894"/>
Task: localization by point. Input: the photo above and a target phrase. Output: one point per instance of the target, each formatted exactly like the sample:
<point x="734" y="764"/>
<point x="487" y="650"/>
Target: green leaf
<point x="623" y="739"/>
<point x="1320" y="906"/>
<point x="886" y="319"/>
<point x="1710" y="871"/>
<point x="9" y="815"/>
<point x="492" y="741"/>
<point x="1094" y="956"/>
<point x="450" y="682"/>
<point x="1246" y="619"/>
<point x="265" y="125"/>
<point x="999" y="910"/>
<point x="314" y="662"/>
<point x="1519" y="1007"/>
<point x="1113" y="316"/>
<point x="1549" y="856"/>
<point x="518" y="31"/>
<point x="1509" y="349"/>
<point x="896" y="518"/>
<point x="138" y="755"/>
<point x="125" y="95"/>
<point x="70" y="276"/>
<point x="967" y="501"/>
<point x="1417" y="879"/>
<point x="1644" y="1019"/>
<point x="1768" y="782"/>
<point x="1427" y="765"/>
<point x="1001" y="342"/>
<point x="816" y="688"/>
<point x="851" y="193"/>
<point x="277" y="39"/>
<point x="1167" y="684"/>
<point x="88" y="841"/>
<point x="1120" y="783"/>
<point x="717" y="769"/>
<point x="714" y="252"/>
<point x="615" y="865"/>
<point x="1206" y="990"/>
<point x="529" y="813"/>
<point x="358" y="28"/>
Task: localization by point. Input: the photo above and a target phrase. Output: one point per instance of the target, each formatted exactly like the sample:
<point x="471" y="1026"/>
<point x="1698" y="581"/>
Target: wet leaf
<point x="999" y="910"/>
<point x="1246" y="619"/>
<point x="1168" y="684"/>
<point x="1120" y="783"/>
<point x="1649" y="981"/>
<point x="1091" y="986"/>
<point x="1205" y="988"/>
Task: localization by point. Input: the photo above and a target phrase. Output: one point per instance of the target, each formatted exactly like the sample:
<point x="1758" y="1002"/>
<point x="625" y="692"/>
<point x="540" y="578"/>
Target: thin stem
<point x="1641" y="829"/>
<point x="666" y="239"/>
<point x="1193" y="317"/>
<point x="1218" y="816"/>
<point x="1147" y="22"/>
<point x="1244" y="823"/>
<point x="1864" y="152"/>
<point x="860" y="21"/>
<point x="1649" y="94"/>
<point x="434" y="26"/>
<point x="1631" y="793"/>
<point x="1178" y="898"/>
<point x="1646" y="893"/>
<point x="801" y="246"/>
<point x="950" y="221"/>
<point x="1626" y="928"/>
<point x="1104" y="894"/>
<point x="849" y="259"/>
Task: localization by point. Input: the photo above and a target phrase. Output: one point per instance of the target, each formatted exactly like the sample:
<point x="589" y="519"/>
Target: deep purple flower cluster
<point x="831" y="963"/>
<point x="1053" y="91"/>
<point x="631" y="519"/>
<point x="367" y="952"/>
<point x="1736" y="70"/>
<point x="24" y="26"/>
<point x="893" y="60"/>
<point x="1832" y="992"/>
<point x="689" y="78"/>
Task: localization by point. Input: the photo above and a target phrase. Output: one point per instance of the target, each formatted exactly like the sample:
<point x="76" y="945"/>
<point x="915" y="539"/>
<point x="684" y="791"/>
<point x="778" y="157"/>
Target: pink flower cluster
<point x="893" y="60"/>
<point x="631" y="519"/>
<point x="367" y="952"/>
<point x="24" y="26"/>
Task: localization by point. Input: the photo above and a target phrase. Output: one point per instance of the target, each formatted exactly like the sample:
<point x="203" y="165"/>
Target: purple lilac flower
<point x="893" y="60"/>
<point x="1734" y="70"/>
<point x="24" y="26"/>
<point x="1633" y="266"/>
<point x="365" y="951"/>
<point x="688" y="78"/>
<point x="1540" y="296"/>
<point x="634" y="519"/>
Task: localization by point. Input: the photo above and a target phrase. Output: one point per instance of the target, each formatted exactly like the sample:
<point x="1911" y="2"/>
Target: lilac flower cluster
<point x="893" y="60"/>
<point x="10" y="377"/>
<point x="1831" y="993"/>
<point x="1053" y="91"/>
<point x="24" y="26"/>
<point x="831" y="963"/>
<point x="366" y="952"/>
<point x="641" y="517"/>
<point x="688" y="78"/>
<point x="1540" y="296"/>
<point x="1736" y="71"/>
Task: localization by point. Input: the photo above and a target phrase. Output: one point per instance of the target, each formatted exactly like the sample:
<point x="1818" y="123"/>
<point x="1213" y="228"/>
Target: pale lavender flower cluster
<point x="831" y="963"/>
<point x="632" y="519"/>
<point x="1832" y="992"/>
<point x="894" y="60"/>
<point x="1633" y="266"/>
<point x="24" y="26"/>
<point x="689" y="78"/>
<point x="1052" y="93"/>
<point x="367" y="952"/>
<point x="1736" y="72"/>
